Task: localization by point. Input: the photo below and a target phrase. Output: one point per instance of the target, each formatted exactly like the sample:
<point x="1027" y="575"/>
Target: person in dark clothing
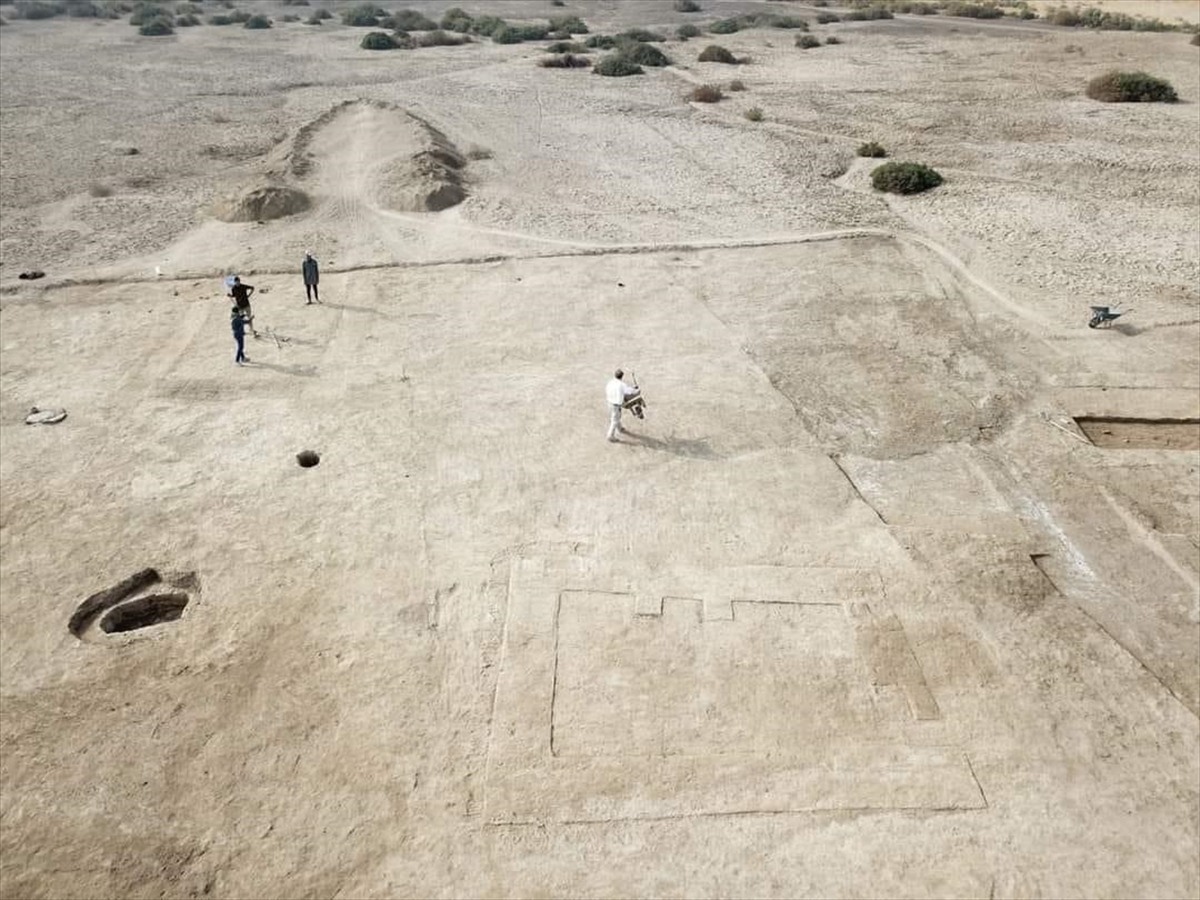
<point x="312" y="275"/>
<point x="241" y="301"/>
<point x="238" y="322"/>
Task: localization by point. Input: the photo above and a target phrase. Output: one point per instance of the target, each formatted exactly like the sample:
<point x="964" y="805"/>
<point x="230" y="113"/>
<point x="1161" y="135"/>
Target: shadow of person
<point x="348" y="307"/>
<point x="690" y="448"/>
<point x="295" y="371"/>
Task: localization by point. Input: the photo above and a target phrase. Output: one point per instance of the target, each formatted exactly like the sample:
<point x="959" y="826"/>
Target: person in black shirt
<point x="241" y="300"/>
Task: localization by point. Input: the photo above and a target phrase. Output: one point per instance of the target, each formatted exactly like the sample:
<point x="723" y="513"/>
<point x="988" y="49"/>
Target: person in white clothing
<point x="617" y="392"/>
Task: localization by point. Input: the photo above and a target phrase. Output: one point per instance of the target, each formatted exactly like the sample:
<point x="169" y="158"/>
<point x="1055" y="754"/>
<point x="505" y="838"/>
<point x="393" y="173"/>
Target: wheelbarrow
<point x="1104" y="316"/>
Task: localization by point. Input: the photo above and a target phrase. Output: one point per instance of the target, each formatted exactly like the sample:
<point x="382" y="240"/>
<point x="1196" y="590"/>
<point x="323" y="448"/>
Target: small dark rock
<point x="29" y="276"/>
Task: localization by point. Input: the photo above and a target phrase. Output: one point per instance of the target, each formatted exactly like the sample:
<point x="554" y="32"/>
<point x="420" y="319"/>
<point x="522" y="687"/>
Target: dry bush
<point x="100" y="190"/>
<point x="441" y="38"/>
<point x="564" y="61"/>
<point x="754" y="114"/>
<point x="683" y="32"/>
<point x="475" y="152"/>
<point x="1130" y="87"/>
<point x="568" y="24"/>
<point x="408" y="20"/>
<point x="686" y="6"/>
<point x="378" y="40"/>
<point x="617" y="66"/>
<point x="706" y="93"/>
<point x="807" y="41"/>
<point x="641" y="35"/>
<point x="904" y="178"/>
<point x="718" y="54"/>
<point x="643" y="54"/>
<point x="737" y="85"/>
<point x="833" y="39"/>
<point x="871" y="149"/>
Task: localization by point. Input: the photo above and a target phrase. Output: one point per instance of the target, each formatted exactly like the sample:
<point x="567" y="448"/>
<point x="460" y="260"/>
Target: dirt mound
<point x="380" y="156"/>
<point x="428" y="181"/>
<point x="262" y="203"/>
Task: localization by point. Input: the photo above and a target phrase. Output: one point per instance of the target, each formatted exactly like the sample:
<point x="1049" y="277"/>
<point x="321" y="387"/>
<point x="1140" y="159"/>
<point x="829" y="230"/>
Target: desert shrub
<point x="487" y="25"/>
<point x="564" y="61"/>
<point x="378" y="40"/>
<point x="569" y="24"/>
<point x="186" y="21"/>
<point x="686" y="6"/>
<point x="644" y="54"/>
<point x="289" y="18"/>
<point x="257" y="22"/>
<point x="567" y="47"/>
<point x="456" y="19"/>
<point x="187" y="9"/>
<point x="439" y="38"/>
<point x="807" y="41"/>
<point x="145" y="12"/>
<point x="558" y="2"/>
<point x="833" y="39"/>
<point x="826" y="18"/>
<point x="1066" y="17"/>
<point x="240" y="16"/>
<point x="1073" y="48"/>
<point x="295" y="2"/>
<point x="683" y="32"/>
<point x="973" y="11"/>
<point x="403" y="40"/>
<point x="156" y="28"/>
<point x="725" y="26"/>
<point x="868" y="14"/>
<point x="782" y="22"/>
<point x="1026" y="13"/>
<point x="617" y="66"/>
<point x="1130" y="87"/>
<point x="223" y="20"/>
<point x="410" y="20"/>
<point x="1196" y="39"/>
<point x="754" y="114"/>
<point x="86" y="9"/>
<point x="601" y="42"/>
<point x="100" y="190"/>
<point x="706" y="93"/>
<point x="322" y="14"/>
<point x="364" y="16"/>
<point x="516" y="34"/>
<point x="313" y="20"/>
<point x="871" y="149"/>
<point x="718" y="54"/>
<point x="38" y="10"/>
<point x="737" y="85"/>
<point x="904" y="178"/>
<point x="641" y="35"/>
<point x="475" y="152"/>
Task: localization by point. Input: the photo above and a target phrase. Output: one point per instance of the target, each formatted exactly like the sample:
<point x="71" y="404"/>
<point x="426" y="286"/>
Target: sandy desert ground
<point x="895" y="592"/>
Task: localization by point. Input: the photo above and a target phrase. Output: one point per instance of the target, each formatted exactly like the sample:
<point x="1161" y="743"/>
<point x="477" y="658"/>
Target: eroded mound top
<point x="380" y="156"/>
<point x="261" y="203"/>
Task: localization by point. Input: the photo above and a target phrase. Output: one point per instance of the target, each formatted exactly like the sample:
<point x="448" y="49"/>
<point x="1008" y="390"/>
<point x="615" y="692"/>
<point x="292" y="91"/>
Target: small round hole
<point x="308" y="458"/>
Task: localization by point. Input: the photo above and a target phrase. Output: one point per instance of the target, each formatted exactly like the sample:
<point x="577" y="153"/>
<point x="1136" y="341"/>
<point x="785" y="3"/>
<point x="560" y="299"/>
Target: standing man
<point x="241" y="301"/>
<point x="238" y="322"/>
<point x="312" y="275"/>
<point x="616" y="392"/>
